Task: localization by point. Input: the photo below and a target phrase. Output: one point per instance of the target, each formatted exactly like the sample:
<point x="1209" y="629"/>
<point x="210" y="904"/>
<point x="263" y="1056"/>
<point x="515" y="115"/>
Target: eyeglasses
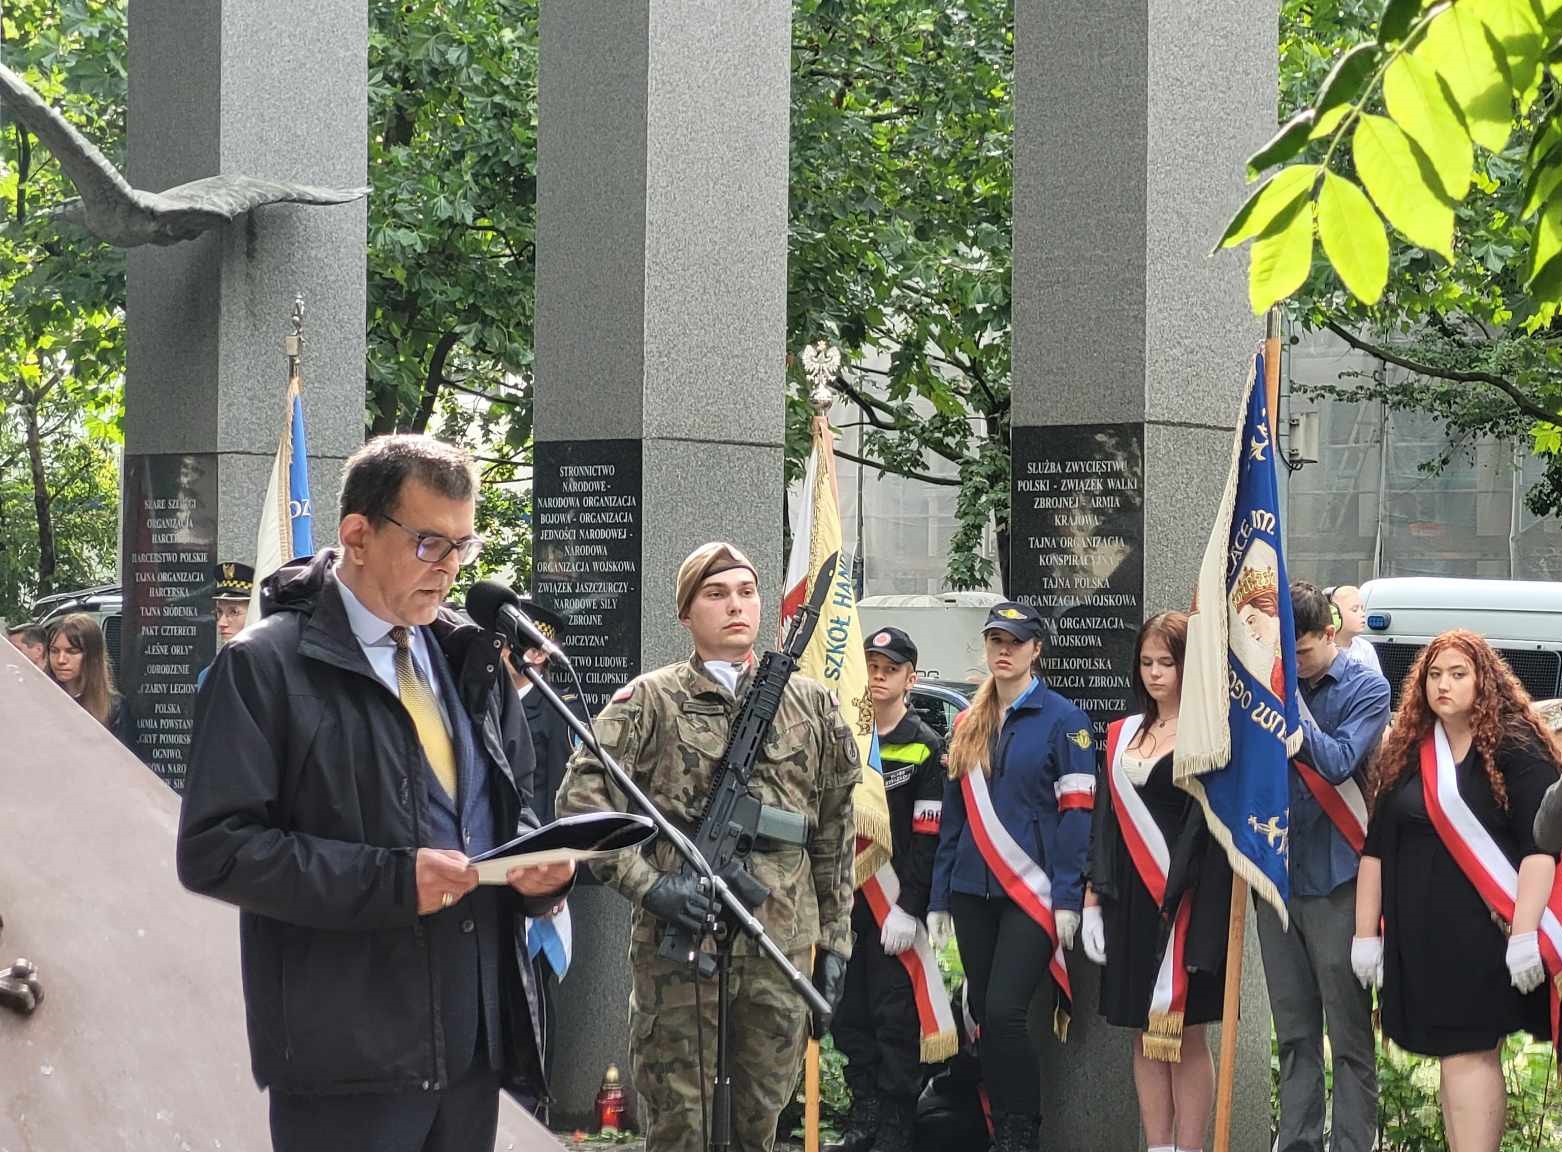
<point x="432" y="547"/>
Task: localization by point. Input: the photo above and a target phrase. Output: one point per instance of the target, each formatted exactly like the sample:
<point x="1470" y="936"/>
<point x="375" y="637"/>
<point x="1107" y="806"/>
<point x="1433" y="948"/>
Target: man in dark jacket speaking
<point x="351" y="751"/>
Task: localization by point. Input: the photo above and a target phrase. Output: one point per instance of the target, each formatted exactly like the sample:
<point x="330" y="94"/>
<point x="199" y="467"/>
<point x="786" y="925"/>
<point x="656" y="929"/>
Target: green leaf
<point x="1420" y="107"/>
<point x="1329" y="121"/>
<point x="1458" y="48"/>
<point x="1547" y="439"/>
<point x="1286" y="143"/>
<point x="1282" y="258"/>
<point x="1545" y="254"/>
<point x="1397" y="19"/>
<point x="1344" y="82"/>
<point x="1353" y="238"/>
<point x="1516" y="29"/>
<point x="1267" y="203"/>
<point x="1543" y="181"/>
<point x="1388" y="166"/>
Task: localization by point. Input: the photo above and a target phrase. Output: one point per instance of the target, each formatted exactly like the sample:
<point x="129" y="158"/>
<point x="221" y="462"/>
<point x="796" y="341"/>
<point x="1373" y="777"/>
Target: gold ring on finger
<point x="446" y="900"/>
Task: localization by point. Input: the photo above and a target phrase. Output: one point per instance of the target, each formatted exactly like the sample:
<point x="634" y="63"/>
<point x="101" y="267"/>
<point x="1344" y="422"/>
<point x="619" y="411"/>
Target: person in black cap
<point x="549" y="944"/>
<point x="876" y="1026"/>
<point x="232" y="585"/>
<point x="1012" y="851"/>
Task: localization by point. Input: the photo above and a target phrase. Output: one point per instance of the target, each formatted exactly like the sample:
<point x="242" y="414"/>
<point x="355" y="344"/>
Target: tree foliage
<point x="1460" y="306"/>
<point x="452" y="221"/>
<point x="902" y="186"/>
<point x="62" y="330"/>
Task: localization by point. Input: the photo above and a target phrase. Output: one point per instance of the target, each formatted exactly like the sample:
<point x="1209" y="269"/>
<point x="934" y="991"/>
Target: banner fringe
<point x="1163" y="1037"/>
<point x="938" y="1048"/>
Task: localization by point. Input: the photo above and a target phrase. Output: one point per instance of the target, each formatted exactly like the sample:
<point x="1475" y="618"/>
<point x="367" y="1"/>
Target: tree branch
<point x="1512" y="391"/>
<point x="481" y="395"/>
<point x="893" y="114"/>
<point x="947" y="481"/>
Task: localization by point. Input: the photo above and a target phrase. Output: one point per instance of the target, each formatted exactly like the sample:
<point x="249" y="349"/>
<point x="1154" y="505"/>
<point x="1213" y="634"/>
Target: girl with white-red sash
<point x="1158" y="902"/>
<point x="1008" y="875"/>
<point x="1456" y="908"/>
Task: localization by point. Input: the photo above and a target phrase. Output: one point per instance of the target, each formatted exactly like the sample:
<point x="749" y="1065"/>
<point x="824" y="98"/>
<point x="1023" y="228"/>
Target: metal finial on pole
<point x="294" y="344"/>
<point x="821" y="364"/>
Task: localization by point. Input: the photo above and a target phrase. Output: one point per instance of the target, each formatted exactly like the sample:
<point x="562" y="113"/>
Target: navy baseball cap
<point x="1019" y="620"/>
<point x="893" y="643"/>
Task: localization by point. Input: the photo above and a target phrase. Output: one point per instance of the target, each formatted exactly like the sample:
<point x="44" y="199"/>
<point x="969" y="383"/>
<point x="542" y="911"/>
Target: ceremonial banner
<point x="834" y="656"/>
<point x="1239" y="705"/>
<point x="286" y="519"/>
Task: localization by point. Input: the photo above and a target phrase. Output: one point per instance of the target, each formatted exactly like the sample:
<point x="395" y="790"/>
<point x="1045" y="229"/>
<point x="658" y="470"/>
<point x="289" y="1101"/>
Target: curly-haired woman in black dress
<point x="1456" y="907"/>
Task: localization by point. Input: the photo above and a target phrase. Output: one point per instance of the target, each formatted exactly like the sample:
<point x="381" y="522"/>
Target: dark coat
<point x="1198" y="863"/>
<point x="305" y="806"/>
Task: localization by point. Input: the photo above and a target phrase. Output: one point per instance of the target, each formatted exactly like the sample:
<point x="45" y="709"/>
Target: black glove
<point x="830" y="982"/>
<point x="743" y="885"/>
<point x="678" y="899"/>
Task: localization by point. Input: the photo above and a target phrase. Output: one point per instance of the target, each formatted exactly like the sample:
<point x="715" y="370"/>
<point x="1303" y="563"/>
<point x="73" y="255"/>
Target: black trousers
<point x="462" y="1118"/>
<point x="1005" y="954"/>
<point x="876" y="1025"/>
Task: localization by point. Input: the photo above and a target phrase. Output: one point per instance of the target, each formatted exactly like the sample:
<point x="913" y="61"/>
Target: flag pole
<point x="1236" y="928"/>
<point x="823" y="441"/>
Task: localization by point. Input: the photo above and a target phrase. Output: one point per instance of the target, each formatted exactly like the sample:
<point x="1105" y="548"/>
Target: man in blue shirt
<point x="1344" y="708"/>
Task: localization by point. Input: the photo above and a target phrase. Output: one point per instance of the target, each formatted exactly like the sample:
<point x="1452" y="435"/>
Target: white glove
<point x="1068" y="927"/>
<point x="940" y="927"/>
<point x="1524" y="966"/>
<point x="1366" y="960"/>
<point x="900" y="929"/>
<point x="1093" y="934"/>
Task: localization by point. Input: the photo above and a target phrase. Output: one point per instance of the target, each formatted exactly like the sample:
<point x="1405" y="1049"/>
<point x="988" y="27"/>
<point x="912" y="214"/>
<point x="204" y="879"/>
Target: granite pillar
<point x="272" y="91"/>
<point x="661" y="305"/>
<point x="1130" y="348"/>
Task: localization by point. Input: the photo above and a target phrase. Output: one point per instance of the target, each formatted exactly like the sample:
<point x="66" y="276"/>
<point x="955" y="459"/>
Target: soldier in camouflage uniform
<point x="668" y="729"/>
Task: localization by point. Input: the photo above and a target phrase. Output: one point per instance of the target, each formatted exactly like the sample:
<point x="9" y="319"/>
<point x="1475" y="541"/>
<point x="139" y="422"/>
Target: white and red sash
<point x="1021" y="878"/>
<point x="1482" y="861"/>
<point x="1151" y="855"/>
<point x="1343" y="804"/>
<point x="935" y="1018"/>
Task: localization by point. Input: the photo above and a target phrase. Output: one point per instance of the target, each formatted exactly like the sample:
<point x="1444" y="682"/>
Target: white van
<point x="1521" y="619"/>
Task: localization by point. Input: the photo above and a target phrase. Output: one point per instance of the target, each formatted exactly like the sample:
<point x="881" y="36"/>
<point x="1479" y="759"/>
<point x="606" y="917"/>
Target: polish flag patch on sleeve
<point x="625" y="692"/>
<point x="926" y="815"/>
<point x="1076" y="790"/>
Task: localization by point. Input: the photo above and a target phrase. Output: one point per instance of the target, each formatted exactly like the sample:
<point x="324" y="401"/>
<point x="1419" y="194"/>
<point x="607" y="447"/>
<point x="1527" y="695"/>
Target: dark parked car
<point x="938" y="702"/>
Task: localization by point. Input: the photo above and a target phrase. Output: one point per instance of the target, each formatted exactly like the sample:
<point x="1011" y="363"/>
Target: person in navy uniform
<point x="1026" y="758"/>
<point x="232" y="584"/>
<point x="876" y="1026"/>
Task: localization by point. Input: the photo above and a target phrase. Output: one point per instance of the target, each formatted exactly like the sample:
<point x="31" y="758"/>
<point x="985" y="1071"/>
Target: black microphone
<point x="498" y="608"/>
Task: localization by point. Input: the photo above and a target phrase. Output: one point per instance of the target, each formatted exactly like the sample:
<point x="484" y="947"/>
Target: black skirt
<point x="1446" y="987"/>
<point x="1134" y="930"/>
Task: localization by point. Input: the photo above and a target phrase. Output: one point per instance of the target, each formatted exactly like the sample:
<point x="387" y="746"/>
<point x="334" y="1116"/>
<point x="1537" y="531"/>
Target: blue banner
<point x="1247" y="799"/>
<point x="300" y="511"/>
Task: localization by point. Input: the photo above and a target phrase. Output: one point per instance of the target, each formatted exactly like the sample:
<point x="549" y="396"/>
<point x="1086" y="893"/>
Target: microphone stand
<point x="717" y="929"/>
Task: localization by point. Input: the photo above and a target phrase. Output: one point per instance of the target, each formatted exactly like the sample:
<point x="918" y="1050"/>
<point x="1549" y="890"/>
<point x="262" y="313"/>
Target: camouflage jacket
<point x="668" y="729"/>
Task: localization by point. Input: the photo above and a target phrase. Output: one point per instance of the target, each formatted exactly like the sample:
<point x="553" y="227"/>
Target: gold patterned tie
<point x="418" y="699"/>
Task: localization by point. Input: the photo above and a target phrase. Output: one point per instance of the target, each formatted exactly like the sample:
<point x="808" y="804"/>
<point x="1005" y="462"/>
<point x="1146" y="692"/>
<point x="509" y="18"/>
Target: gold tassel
<point x="874" y="827"/>
<point x="1060" y="1022"/>
<point x="937" y="1049"/>
<point x="1163" y="1038"/>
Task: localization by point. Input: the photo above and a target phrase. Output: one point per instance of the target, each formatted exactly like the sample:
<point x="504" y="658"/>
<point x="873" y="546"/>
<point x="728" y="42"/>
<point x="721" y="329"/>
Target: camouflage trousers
<point x="769" y="1028"/>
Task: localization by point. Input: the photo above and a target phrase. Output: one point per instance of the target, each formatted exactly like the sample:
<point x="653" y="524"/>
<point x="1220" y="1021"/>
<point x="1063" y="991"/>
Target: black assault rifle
<point x="733" y="817"/>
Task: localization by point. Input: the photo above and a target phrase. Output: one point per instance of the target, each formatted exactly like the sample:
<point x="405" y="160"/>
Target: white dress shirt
<point x="379" y="648"/>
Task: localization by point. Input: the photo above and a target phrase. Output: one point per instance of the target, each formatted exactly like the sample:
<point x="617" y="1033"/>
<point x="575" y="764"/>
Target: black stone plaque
<point x="168" y="635"/>
<point x="586" y="555"/>
<point x="1076" y="552"/>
